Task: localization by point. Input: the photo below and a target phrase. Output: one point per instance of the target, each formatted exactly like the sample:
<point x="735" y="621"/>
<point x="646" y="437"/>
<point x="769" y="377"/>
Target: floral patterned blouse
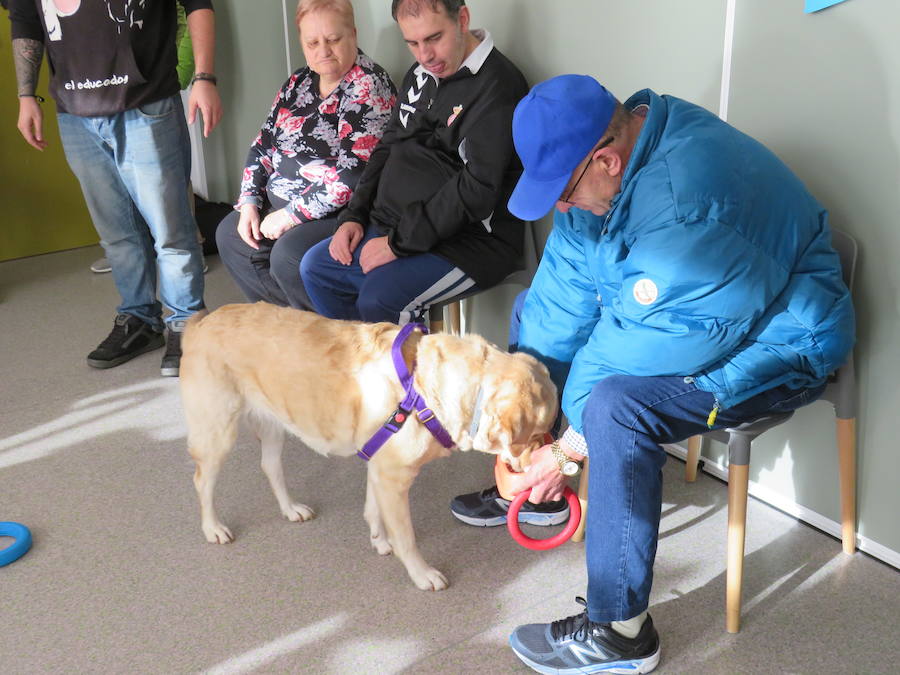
<point x="311" y="151"/>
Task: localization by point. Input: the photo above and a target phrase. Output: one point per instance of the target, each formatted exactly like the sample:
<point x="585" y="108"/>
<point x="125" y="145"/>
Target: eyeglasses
<point x="603" y="144"/>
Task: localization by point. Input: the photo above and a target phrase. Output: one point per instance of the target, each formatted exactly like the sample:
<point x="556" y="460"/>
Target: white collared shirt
<point x="478" y="56"/>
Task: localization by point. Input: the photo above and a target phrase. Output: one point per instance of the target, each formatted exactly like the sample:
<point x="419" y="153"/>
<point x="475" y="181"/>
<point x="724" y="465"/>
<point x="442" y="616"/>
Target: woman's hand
<point x="345" y="241"/>
<point x="276" y="224"/>
<point x="248" y="225"/>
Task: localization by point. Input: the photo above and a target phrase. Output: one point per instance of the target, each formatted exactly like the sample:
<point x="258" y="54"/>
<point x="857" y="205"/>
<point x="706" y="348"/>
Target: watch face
<point x="570" y="468"/>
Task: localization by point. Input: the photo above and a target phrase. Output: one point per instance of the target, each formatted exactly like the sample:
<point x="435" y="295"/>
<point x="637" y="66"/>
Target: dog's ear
<point x="520" y="404"/>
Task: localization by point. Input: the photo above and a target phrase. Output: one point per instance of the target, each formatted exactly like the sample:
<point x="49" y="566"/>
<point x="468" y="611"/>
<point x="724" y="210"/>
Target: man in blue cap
<point x="689" y="283"/>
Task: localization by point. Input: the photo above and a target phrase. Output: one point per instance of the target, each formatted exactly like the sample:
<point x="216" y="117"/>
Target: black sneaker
<point x="576" y="645"/>
<point x="487" y="509"/>
<point x="171" y="360"/>
<point x="130" y="337"/>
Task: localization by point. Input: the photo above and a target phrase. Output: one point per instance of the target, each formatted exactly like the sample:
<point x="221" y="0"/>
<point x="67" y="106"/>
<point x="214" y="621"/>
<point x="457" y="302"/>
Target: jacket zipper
<point x="711" y="420"/>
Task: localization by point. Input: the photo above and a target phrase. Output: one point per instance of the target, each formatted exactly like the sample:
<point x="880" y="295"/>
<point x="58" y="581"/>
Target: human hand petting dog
<point x="546" y="481"/>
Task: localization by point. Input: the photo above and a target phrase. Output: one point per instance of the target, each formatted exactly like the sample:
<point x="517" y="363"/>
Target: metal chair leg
<point x="846" y="442"/>
<point x="455" y="317"/>
<point x="435" y="321"/>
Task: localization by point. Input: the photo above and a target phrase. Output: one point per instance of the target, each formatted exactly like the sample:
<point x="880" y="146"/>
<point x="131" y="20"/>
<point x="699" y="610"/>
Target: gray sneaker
<point x="101" y="266"/>
<point x="171" y="360"/>
<point x="576" y="645"/>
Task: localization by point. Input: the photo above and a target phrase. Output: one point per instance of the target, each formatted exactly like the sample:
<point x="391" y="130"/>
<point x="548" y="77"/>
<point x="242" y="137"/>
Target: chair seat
<point x="753" y="428"/>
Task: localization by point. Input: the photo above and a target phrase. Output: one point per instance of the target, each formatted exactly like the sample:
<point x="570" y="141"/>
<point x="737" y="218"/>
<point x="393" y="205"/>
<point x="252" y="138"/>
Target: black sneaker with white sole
<point x="577" y="645"/>
<point x="129" y="337"/>
<point x="488" y="509"/>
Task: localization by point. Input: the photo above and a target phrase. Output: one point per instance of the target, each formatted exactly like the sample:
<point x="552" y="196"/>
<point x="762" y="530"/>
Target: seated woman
<point x="308" y="156"/>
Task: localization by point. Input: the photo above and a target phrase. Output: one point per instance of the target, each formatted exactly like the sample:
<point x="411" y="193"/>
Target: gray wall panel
<point x="821" y="91"/>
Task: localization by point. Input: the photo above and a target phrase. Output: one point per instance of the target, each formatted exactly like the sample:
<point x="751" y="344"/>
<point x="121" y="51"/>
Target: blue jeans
<point x="625" y="420"/>
<point x="399" y="291"/>
<point x="134" y="169"/>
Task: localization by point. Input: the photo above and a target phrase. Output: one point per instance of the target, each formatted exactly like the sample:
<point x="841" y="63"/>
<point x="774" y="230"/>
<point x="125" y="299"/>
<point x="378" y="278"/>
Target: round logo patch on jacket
<point x="645" y="291"/>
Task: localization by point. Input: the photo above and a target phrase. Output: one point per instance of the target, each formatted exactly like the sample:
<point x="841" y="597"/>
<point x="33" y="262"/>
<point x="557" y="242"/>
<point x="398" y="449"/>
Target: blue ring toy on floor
<point x="20" y="546"/>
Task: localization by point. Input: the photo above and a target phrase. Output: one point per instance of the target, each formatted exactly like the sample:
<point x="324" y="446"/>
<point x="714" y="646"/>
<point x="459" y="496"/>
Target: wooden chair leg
<point x="582" y="498"/>
<point x="693" y="458"/>
<point x="846" y="442"/>
<point x="738" y="477"/>
<point x="455" y="317"/>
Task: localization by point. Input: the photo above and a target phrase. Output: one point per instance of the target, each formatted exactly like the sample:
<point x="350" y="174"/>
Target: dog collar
<point x="412" y="402"/>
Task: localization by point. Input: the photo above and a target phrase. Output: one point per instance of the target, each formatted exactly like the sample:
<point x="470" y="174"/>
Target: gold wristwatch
<point x="567" y="466"/>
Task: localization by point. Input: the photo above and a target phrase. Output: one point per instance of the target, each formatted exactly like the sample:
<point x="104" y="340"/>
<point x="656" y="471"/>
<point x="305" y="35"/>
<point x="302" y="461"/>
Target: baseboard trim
<point x="778" y="501"/>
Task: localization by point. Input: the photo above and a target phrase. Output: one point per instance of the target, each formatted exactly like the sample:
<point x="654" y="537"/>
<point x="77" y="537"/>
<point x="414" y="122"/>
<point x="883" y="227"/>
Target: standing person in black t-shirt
<point x="124" y="134"/>
<point x="428" y="219"/>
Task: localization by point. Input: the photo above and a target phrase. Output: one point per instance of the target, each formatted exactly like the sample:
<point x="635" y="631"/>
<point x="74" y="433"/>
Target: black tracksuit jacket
<point x="440" y="178"/>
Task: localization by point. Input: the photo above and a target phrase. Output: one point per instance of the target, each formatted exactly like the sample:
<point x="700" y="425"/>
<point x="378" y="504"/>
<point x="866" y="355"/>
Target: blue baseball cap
<point x="554" y="127"/>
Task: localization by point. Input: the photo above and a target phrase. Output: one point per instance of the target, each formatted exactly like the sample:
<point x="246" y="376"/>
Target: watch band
<point x="206" y="77"/>
<point x="561" y="457"/>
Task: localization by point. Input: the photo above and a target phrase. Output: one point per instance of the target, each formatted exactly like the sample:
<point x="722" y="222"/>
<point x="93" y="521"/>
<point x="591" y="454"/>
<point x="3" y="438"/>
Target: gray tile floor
<point x="120" y="579"/>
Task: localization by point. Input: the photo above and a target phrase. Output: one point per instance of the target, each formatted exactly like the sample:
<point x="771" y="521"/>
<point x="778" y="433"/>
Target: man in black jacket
<point x="429" y="219"/>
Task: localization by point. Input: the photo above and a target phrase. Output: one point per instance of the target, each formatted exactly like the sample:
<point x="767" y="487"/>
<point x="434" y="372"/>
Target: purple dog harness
<point x="413" y="401"/>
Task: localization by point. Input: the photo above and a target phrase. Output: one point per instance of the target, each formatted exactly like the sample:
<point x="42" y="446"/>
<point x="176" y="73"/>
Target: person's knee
<point x="227" y="237"/>
<point x="607" y="392"/>
<point x="310" y="266"/>
<point x="372" y="308"/>
<point x="284" y="265"/>
<point x="610" y="402"/>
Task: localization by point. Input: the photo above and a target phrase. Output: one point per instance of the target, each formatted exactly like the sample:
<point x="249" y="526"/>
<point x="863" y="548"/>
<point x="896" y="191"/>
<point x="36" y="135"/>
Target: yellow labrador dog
<point x="334" y="384"/>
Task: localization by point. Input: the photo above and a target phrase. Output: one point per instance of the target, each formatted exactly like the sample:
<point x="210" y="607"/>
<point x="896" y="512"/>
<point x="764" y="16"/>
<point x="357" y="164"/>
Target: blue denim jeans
<point x="134" y="169"/>
<point x="625" y="421"/>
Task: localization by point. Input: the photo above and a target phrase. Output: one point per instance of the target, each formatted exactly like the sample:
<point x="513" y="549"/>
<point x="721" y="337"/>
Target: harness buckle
<point x="424" y="410"/>
<point x="396" y="420"/>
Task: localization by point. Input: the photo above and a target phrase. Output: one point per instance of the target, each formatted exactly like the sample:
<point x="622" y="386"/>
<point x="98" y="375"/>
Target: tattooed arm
<point x="27" y="56"/>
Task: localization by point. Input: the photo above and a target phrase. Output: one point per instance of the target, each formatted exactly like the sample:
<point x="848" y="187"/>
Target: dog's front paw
<point x="298" y="513"/>
<point x="381" y="544"/>
<point x="217" y="533"/>
<point x="430" y="579"/>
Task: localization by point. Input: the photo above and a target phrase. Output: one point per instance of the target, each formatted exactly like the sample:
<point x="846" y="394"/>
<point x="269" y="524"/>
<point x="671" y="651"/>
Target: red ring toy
<point x="512" y="522"/>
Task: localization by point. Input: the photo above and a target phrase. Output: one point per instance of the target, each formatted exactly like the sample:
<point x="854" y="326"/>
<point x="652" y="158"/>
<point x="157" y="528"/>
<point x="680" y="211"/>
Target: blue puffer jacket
<point x="713" y="261"/>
